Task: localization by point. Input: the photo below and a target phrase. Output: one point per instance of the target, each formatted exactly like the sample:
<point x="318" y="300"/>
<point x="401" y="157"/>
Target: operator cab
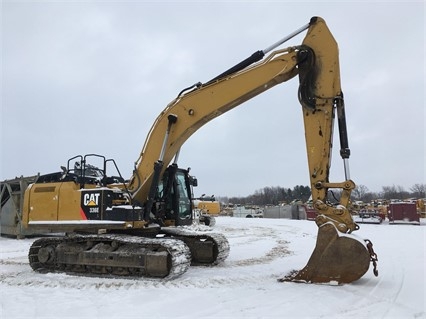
<point x="174" y="204"/>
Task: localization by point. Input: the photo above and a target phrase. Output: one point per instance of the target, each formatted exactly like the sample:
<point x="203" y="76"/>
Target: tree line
<point x="276" y="195"/>
<point x="271" y="196"/>
<point x="362" y="193"/>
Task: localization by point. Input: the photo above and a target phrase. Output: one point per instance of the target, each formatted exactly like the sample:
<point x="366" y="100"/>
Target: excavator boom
<point x="192" y="109"/>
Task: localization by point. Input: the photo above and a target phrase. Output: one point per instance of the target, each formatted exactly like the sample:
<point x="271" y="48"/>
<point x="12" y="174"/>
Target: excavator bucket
<point x="337" y="259"/>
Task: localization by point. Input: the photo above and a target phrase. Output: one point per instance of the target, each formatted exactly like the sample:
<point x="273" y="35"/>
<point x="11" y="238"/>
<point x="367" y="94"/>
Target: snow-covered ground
<point x="245" y="285"/>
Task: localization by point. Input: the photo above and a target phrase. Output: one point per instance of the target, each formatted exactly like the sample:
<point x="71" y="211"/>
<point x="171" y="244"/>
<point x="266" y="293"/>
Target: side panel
<point x="52" y="202"/>
<point x="69" y="202"/>
<point x="43" y="201"/>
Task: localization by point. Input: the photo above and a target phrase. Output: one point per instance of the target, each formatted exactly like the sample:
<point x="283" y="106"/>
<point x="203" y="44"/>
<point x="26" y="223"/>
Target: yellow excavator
<point x="118" y="227"/>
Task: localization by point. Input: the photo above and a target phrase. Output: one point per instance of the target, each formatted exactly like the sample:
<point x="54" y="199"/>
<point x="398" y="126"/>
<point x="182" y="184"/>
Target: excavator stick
<point x="337" y="259"/>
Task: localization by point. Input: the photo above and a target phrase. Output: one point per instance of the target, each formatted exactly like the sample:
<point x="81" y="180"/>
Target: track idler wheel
<point x="337" y="259"/>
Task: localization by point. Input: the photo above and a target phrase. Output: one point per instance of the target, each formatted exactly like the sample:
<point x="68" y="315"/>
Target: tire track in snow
<point x="19" y="260"/>
<point x="372" y="299"/>
<point x="63" y="281"/>
<point x="258" y="233"/>
<point x="280" y="250"/>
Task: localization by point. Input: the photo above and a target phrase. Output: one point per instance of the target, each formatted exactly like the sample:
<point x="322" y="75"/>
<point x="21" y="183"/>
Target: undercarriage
<point x="118" y="255"/>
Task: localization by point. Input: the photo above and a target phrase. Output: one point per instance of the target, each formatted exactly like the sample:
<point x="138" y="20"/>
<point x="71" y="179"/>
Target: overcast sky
<point x="82" y="78"/>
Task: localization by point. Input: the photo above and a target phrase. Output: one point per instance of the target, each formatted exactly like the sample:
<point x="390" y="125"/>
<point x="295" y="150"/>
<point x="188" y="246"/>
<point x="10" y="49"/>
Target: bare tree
<point x="394" y="192"/>
<point x="418" y="190"/>
<point x="360" y="192"/>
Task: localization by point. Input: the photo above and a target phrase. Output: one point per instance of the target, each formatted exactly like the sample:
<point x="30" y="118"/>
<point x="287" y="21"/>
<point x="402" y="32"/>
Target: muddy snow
<point x="245" y="285"/>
